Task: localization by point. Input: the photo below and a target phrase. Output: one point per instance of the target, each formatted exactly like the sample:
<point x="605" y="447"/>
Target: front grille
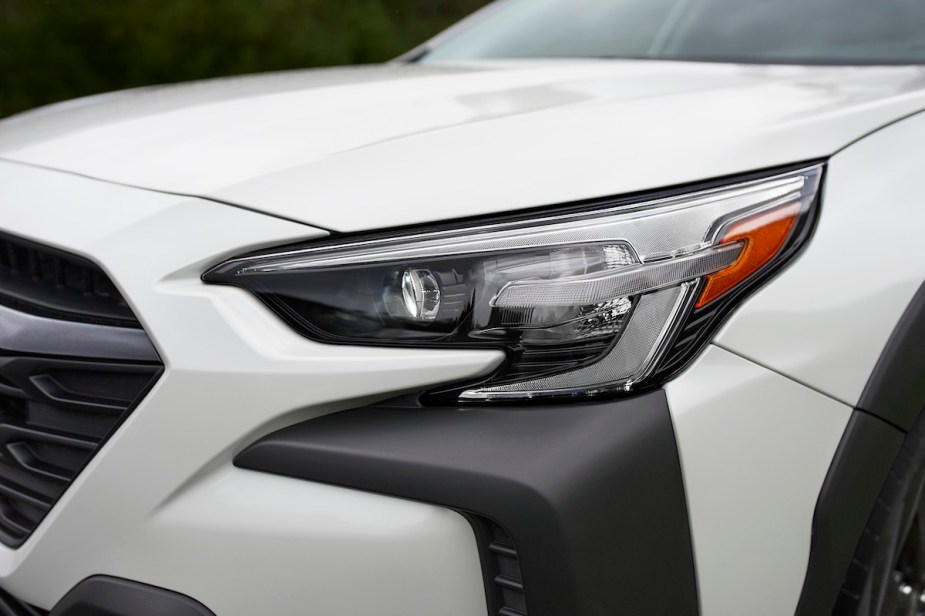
<point x="54" y="414"/>
<point x="46" y="281"/>
<point x="504" y="588"/>
<point x="10" y="606"/>
<point x="66" y="383"/>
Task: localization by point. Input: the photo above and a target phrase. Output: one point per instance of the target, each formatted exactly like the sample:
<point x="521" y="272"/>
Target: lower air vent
<point x="9" y="606"/>
<point x="504" y="587"/>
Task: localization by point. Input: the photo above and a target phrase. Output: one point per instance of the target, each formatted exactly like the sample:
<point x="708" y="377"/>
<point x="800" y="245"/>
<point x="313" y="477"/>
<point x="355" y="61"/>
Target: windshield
<point x="758" y="31"/>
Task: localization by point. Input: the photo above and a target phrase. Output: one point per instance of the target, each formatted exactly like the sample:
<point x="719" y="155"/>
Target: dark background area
<point x="52" y="50"/>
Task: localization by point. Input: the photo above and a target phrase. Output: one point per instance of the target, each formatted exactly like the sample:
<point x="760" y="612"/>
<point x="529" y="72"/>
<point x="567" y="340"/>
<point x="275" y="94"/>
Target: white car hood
<point x="371" y="147"/>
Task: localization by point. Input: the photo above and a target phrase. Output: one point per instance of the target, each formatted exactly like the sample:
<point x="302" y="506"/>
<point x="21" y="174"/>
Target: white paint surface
<point x="755" y="448"/>
<point x="363" y="148"/>
<point x="826" y="320"/>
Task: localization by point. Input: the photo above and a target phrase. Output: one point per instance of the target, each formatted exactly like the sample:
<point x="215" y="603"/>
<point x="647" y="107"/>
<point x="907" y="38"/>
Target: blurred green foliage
<point x="52" y="50"/>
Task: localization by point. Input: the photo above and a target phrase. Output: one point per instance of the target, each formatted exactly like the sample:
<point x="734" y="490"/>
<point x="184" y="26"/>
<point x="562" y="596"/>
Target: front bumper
<point x="164" y="504"/>
<point x="588" y="497"/>
<point x="161" y="503"/>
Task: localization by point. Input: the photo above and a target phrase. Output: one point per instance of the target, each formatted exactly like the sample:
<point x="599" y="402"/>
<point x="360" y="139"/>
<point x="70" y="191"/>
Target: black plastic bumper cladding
<point x="102" y="595"/>
<point x="108" y="596"/>
<point x="591" y="494"/>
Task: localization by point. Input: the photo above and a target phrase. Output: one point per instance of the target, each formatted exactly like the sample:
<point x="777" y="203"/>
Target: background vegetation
<point x="52" y="50"/>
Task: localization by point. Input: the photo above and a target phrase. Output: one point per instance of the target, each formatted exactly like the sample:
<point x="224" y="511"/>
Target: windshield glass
<point x="759" y="31"/>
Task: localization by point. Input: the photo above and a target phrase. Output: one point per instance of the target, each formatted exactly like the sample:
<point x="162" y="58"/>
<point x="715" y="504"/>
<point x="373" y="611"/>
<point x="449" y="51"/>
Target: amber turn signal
<point x="762" y="236"/>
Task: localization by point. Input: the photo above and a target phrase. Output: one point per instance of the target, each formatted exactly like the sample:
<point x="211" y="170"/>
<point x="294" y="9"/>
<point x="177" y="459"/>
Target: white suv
<point x="583" y="308"/>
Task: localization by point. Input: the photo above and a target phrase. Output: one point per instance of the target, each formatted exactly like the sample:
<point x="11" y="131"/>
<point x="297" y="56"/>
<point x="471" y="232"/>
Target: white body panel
<point x="356" y="149"/>
<point x="755" y="448"/>
<point x="826" y="320"/>
<point x="161" y="503"/>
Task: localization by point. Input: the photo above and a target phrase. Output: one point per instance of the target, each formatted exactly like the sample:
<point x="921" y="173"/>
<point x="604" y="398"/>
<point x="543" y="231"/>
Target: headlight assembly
<point x="587" y="299"/>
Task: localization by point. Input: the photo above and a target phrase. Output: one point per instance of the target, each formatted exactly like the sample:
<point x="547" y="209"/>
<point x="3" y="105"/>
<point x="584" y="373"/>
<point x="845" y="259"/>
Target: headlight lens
<point x="585" y="300"/>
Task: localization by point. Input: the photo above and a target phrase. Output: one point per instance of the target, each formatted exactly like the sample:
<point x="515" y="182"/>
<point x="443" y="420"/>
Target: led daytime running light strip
<point x="605" y="286"/>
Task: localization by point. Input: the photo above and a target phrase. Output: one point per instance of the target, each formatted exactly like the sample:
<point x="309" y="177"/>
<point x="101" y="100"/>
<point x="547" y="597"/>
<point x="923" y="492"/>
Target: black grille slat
<point x="60" y="459"/>
<point x="11" y="518"/>
<point x="47" y="437"/>
<point x="13" y="491"/>
<point x="509" y="583"/>
<point x="69" y="375"/>
<point x="53" y="283"/>
<point x="57" y="394"/>
<point x="502" y="549"/>
<point x="10" y="390"/>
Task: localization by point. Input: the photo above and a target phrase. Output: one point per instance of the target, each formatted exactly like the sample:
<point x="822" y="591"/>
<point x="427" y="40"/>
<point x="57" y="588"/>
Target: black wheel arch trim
<point x="592" y="494"/>
<point x="895" y="391"/>
<point x="858" y="471"/>
<point x="890" y="403"/>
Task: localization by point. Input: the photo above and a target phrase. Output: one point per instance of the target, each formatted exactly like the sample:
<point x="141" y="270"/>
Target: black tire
<point x="887" y="574"/>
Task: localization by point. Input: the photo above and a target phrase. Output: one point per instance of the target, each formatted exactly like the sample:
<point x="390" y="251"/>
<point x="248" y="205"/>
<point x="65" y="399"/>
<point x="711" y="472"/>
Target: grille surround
<point x="67" y="382"/>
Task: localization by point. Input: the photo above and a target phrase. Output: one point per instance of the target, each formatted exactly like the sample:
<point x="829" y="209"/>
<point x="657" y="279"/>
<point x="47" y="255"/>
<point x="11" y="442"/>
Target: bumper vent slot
<point x="67" y="380"/>
<point x="52" y="283"/>
<point x="504" y="588"/>
<point x="10" y="606"/>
